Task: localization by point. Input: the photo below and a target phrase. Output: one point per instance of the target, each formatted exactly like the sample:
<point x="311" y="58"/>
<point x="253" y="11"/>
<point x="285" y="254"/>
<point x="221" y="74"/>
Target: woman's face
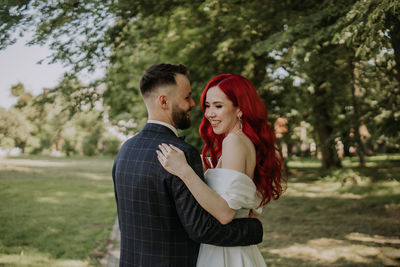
<point x="220" y="112"/>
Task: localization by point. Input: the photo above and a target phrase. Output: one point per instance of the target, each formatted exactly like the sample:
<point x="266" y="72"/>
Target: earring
<point x="240" y="121"/>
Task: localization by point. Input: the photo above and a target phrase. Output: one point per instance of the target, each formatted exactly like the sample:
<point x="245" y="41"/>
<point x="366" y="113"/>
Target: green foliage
<point x="12" y="14"/>
<point x="18" y="89"/>
<point x="89" y="145"/>
<point x="15" y="129"/>
<point x="302" y="56"/>
<point x="68" y="148"/>
<point x="111" y="146"/>
<point x="58" y="119"/>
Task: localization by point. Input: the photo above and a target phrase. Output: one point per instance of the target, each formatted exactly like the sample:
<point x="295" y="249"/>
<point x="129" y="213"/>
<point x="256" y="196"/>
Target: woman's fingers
<point x="175" y="148"/>
<point x="160" y="156"/>
<point x="165" y="149"/>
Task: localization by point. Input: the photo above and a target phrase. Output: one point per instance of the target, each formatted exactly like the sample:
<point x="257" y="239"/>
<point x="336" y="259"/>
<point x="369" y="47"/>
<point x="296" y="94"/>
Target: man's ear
<point x="162" y="101"/>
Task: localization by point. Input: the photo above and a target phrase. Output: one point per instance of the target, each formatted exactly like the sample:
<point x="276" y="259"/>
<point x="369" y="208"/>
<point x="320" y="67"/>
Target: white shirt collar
<point x="165" y="124"/>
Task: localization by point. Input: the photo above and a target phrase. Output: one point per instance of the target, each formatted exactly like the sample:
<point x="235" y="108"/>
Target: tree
<point x="319" y="45"/>
<point x="15" y="129"/>
<point x="342" y="27"/>
<point x="24" y="97"/>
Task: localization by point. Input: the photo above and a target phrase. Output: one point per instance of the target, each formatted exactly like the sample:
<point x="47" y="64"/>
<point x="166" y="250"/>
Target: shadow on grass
<point x="318" y="231"/>
<point x="337" y="217"/>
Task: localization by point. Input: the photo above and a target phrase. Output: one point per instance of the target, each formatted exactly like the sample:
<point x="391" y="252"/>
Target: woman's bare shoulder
<point x="237" y="140"/>
<point x="236" y="152"/>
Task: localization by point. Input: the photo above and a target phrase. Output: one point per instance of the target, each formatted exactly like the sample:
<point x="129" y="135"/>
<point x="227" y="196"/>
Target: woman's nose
<point x="210" y="113"/>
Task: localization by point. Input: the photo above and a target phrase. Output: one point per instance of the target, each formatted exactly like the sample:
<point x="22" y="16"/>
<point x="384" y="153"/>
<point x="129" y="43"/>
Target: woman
<point x="243" y="166"/>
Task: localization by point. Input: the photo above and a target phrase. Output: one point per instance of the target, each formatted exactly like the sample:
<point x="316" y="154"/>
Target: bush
<point x="111" y="147"/>
<point x="89" y="145"/>
<point x="68" y="148"/>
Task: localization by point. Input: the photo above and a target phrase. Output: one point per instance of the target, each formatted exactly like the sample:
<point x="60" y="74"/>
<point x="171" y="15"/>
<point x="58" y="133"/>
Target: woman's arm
<point x="174" y="161"/>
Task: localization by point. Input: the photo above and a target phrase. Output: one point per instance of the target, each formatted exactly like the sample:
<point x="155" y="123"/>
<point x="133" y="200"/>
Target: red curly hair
<point x="239" y="90"/>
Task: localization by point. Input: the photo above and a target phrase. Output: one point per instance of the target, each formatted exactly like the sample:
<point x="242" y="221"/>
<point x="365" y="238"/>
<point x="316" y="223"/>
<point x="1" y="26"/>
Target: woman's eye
<point x="218" y="106"/>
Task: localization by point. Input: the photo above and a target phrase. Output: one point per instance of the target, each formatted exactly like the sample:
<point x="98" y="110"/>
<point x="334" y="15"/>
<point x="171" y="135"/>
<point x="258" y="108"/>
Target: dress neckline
<point x="235" y="171"/>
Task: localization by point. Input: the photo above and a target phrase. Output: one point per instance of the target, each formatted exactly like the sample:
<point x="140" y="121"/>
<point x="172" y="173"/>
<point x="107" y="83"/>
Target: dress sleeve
<point x="238" y="190"/>
<point x="241" y="193"/>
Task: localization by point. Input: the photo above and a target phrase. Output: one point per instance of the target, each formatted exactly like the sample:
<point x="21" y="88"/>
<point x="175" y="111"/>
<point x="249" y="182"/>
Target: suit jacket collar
<point x="154" y="127"/>
<point x="165" y="124"/>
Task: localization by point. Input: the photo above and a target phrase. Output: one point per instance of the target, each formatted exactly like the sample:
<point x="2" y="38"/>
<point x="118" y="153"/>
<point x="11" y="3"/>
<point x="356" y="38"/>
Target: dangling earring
<point x="240" y="121"/>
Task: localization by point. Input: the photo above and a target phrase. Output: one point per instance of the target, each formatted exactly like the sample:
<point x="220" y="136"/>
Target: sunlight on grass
<point x="328" y="250"/>
<point x="91" y="195"/>
<point x="38" y="260"/>
<point x="319" y="189"/>
<point x="318" y="220"/>
<point x="304" y="164"/>
<point x="375" y="239"/>
<point x="51" y="200"/>
<point x="33" y="163"/>
<point x="384" y="157"/>
<point x="93" y="176"/>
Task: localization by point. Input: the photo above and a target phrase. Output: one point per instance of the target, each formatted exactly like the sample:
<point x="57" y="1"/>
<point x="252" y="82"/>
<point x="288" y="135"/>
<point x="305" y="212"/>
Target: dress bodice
<point x="240" y="193"/>
<point x="238" y="190"/>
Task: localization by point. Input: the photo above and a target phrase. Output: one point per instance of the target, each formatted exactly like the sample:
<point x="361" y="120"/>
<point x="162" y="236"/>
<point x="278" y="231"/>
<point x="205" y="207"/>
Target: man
<point x="161" y="223"/>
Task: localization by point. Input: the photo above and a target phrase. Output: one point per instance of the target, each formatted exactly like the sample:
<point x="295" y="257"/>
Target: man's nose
<point x="192" y="104"/>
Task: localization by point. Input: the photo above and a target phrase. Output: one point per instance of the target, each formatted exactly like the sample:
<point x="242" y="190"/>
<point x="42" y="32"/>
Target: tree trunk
<point x="325" y="132"/>
<point x="357" y="118"/>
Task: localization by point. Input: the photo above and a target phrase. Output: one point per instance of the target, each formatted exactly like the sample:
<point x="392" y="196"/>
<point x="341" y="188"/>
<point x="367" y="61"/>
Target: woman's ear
<point x="240" y="113"/>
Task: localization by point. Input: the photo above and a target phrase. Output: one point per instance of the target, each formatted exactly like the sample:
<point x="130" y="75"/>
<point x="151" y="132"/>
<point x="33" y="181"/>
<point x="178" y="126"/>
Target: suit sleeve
<point x="115" y="187"/>
<point x="201" y="226"/>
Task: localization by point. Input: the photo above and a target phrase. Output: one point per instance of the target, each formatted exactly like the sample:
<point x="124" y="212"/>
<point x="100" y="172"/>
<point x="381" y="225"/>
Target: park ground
<point x="60" y="211"/>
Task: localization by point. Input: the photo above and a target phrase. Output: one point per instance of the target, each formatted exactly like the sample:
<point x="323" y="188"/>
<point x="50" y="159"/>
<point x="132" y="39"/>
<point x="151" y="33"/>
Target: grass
<point x="59" y="212"/>
<point x="348" y="217"/>
<point x="55" y="212"/>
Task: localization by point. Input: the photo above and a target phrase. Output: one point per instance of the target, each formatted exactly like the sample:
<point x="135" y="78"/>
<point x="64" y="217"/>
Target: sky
<point x="18" y="63"/>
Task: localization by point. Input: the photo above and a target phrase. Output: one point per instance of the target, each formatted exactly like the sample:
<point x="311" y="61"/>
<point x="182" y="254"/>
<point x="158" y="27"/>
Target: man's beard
<point x="179" y="118"/>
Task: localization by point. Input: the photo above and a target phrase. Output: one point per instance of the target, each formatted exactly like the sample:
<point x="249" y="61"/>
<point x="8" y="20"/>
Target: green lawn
<point x="59" y="212"/>
<point x="348" y="217"/>
<point x="55" y="211"/>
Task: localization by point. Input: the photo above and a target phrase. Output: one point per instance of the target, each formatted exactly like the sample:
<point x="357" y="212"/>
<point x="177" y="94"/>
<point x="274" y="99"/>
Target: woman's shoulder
<point x="238" y="141"/>
<point x="238" y="153"/>
<point x="233" y="138"/>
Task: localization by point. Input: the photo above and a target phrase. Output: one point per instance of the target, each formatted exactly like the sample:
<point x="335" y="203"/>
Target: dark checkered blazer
<point x="161" y="223"/>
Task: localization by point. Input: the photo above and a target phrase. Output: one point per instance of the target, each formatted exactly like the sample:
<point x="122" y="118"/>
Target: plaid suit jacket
<point x="160" y="221"/>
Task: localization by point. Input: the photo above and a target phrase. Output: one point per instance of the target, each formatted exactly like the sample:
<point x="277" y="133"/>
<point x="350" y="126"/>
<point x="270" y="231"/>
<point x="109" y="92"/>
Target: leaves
<point x="300" y="55"/>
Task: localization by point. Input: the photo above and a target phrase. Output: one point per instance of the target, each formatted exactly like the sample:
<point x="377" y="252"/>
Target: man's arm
<point x="204" y="228"/>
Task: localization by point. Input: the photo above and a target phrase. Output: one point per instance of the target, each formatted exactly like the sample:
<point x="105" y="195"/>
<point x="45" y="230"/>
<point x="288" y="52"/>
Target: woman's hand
<point x="172" y="159"/>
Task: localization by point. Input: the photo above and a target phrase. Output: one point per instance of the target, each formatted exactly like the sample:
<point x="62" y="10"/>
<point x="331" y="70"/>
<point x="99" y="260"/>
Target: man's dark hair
<point x="160" y="74"/>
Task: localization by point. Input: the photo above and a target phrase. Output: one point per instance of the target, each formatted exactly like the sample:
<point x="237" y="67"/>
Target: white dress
<point x="239" y="191"/>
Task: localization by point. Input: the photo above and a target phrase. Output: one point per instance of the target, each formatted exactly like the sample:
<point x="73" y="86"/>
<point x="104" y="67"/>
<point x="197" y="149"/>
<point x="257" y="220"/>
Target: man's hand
<point x="255" y="215"/>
